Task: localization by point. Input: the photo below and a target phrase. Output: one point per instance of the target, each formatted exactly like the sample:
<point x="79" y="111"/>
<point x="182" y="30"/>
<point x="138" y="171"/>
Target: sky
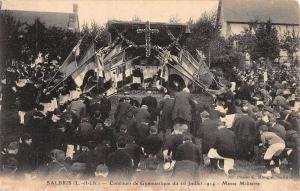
<point x="102" y="10"/>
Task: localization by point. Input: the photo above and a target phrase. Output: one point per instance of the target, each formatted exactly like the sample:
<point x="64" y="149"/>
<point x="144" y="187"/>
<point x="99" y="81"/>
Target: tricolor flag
<point x="199" y="71"/>
<point x="86" y="64"/>
<point x="115" y="51"/>
<point x="70" y="64"/>
<point x="112" y="65"/>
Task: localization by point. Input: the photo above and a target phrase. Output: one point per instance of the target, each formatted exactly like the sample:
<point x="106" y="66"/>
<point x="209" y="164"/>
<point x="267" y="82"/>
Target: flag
<point x="200" y="56"/>
<point x="86" y="64"/>
<point x="79" y="75"/>
<point x="165" y="74"/>
<point x="115" y="51"/>
<point x="88" y="55"/>
<point x="70" y="63"/>
<point x="129" y="66"/>
<point x="113" y="64"/>
<point x="100" y="68"/>
<point x="199" y="71"/>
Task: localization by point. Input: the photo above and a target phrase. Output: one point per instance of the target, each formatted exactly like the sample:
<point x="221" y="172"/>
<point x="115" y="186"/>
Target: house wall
<point x="237" y="28"/>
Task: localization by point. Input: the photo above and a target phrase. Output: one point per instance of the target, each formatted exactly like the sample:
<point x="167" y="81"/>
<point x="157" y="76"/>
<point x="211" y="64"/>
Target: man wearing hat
<point x="165" y="107"/>
<point x="207" y="132"/>
<point x="183" y="107"/>
<point x="275" y="145"/>
<point x="275" y="127"/>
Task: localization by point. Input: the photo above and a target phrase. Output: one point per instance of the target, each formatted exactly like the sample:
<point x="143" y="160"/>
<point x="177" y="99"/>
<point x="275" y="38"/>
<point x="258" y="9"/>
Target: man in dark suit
<point x="207" y="132"/>
<point x="119" y="163"/>
<point x="183" y="106"/>
<point x="142" y="115"/>
<point x="134" y="151"/>
<point x="165" y="106"/>
<point x="151" y="102"/>
<point x="105" y="106"/>
<point x="28" y="95"/>
<point x="188" y="151"/>
<point x="224" y="148"/>
<point x="153" y="143"/>
<point x="121" y="112"/>
<point x="78" y="108"/>
<point x="245" y="131"/>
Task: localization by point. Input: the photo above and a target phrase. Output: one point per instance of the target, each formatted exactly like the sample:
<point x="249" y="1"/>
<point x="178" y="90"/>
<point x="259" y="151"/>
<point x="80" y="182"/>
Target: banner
<point x="79" y="75"/>
<point x="112" y="65"/>
<point x="85" y="65"/>
<point x="100" y="67"/>
<point x="199" y="71"/>
<point x="88" y="55"/>
<point x="70" y="63"/>
<point x="115" y="51"/>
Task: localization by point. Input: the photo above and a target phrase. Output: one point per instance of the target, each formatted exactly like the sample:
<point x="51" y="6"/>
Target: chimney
<point x="75" y="8"/>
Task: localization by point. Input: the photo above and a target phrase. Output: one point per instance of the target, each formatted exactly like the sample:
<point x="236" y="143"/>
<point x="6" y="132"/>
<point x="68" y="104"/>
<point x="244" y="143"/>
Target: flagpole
<point x="74" y="72"/>
<point x="65" y="60"/>
<point x="70" y="74"/>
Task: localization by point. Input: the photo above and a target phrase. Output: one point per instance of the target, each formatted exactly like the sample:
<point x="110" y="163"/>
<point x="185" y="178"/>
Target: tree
<point x="174" y="19"/>
<point x="11" y="39"/>
<point x="224" y="56"/>
<point x="267" y="43"/>
<point x="94" y="33"/>
<point x="245" y="41"/>
<point x="290" y="42"/>
<point x="203" y="32"/>
<point x="136" y="19"/>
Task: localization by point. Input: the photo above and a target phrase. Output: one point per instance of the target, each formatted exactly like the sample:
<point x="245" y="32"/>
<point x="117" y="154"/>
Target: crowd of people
<point x="68" y="133"/>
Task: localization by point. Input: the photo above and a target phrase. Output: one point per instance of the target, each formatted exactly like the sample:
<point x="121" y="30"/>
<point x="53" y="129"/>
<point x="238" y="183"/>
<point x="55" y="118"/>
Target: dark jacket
<point x="153" y="144"/>
<point x="182" y="106"/>
<point x="26" y="158"/>
<point x="188" y="151"/>
<point x="166" y="106"/>
<point x="119" y="164"/>
<point x="244" y="126"/>
<point x="225" y="143"/>
<point x="28" y="95"/>
<point x="207" y="132"/>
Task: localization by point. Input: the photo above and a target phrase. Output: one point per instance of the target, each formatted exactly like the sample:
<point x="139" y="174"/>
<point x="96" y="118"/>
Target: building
<point x="236" y="15"/>
<point x="67" y="21"/>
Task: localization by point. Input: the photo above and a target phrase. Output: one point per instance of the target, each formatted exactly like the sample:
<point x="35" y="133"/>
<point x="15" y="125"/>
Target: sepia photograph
<point x="149" y="95"/>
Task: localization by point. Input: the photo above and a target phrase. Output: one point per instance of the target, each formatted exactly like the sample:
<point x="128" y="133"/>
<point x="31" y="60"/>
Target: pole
<point x="68" y="76"/>
<point x="70" y="54"/>
<point x="209" y="55"/>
